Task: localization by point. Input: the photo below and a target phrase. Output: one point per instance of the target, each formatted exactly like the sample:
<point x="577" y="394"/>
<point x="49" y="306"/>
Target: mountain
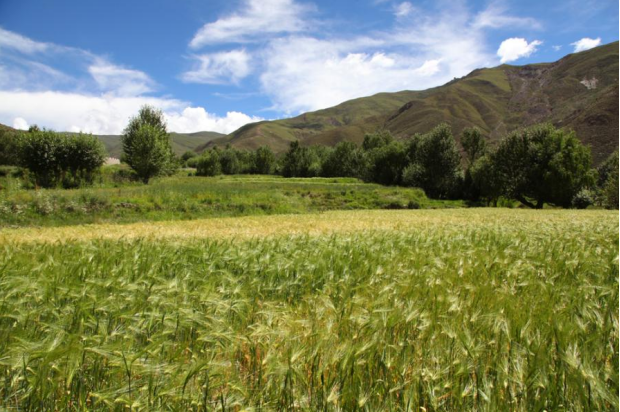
<point x="181" y="142"/>
<point x="579" y="91"/>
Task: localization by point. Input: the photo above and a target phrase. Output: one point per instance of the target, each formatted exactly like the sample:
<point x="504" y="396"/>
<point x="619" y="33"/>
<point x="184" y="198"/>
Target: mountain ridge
<point x="578" y="91"/>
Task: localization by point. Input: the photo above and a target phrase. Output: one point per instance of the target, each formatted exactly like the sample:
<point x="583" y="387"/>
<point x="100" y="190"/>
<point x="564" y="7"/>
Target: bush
<point x="583" y="199"/>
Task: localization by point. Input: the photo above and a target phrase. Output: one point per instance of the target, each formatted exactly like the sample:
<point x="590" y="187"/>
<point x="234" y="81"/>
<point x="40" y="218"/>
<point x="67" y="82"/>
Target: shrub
<point x="583" y="199"/>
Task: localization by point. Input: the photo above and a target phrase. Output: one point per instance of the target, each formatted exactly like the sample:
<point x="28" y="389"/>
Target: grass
<point x="467" y="309"/>
<point x="184" y="197"/>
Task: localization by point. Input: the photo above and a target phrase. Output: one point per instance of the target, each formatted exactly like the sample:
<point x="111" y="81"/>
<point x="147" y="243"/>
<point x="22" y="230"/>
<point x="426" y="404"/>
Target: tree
<point x="473" y="144"/>
<point x="387" y="163"/>
<point x="542" y="163"/>
<point x="229" y="161"/>
<point x="146" y="144"/>
<point x="85" y="154"/>
<point x="188" y="155"/>
<point x="41" y="153"/>
<point x="377" y="139"/>
<point x="208" y="163"/>
<point x="608" y="181"/>
<point x="346" y="160"/>
<point x="483" y="183"/>
<point x="300" y="162"/>
<point x="54" y="158"/>
<point x="264" y="161"/>
<point x="9" y="146"/>
<point x="438" y="162"/>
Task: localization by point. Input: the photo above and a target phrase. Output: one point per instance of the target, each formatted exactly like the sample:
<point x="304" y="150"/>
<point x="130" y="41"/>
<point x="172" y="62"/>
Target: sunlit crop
<point x="382" y="310"/>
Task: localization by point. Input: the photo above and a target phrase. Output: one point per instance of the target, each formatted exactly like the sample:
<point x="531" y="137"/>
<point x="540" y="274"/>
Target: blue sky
<point x="216" y="65"/>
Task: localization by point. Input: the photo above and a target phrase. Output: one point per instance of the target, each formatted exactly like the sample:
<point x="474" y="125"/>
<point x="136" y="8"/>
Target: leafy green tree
<point x="377" y="139"/>
<point x="9" y="147"/>
<point x="346" y="160"/>
<point x="473" y="144"/>
<point x="264" y="161"/>
<point x="208" y="163"/>
<point x="146" y="145"/>
<point x="438" y="162"/>
<point x="542" y="164"/>
<point x="229" y="161"/>
<point x="82" y="155"/>
<point x="386" y="163"/>
<point x="188" y="155"/>
<point x="146" y="150"/>
<point x="608" y="181"/>
<point x="300" y="162"/>
<point x="41" y="152"/>
<point x="54" y="158"/>
<point x="484" y="183"/>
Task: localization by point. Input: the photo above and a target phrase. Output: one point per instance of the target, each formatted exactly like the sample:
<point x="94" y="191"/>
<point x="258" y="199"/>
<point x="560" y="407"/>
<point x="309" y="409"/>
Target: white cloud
<point x="557" y="48"/>
<point x="120" y="81"/>
<point x="219" y="68"/>
<point x="515" y="48"/>
<point x="403" y="9"/>
<point x="20" y="123"/>
<point x="10" y="40"/>
<point x="585" y="44"/>
<point x="101" y="98"/>
<point x="257" y="18"/>
<point x="193" y="119"/>
<point x="429" y="68"/>
<point x="301" y="73"/>
<point x="495" y="17"/>
<point x="108" y="114"/>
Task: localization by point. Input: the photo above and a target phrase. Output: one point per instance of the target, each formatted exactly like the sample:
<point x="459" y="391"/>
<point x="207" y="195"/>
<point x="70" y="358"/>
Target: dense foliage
<point x="542" y="165"/>
<point x="63" y="159"/>
<point x="537" y="165"/>
<point x="146" y="145"/>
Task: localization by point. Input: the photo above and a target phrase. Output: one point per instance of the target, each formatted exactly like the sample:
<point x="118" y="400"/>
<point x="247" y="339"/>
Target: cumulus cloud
<point x="193" y="119"/>
<point x="256" y="17"/>
<point x="20" y="123"/>
<point x="515" y="48"/>
<point x="301" y="73"/>
<point x="585" y="44"/>
<point x="108" y="114"/>
<point x="219" y="68"/>
<point x="100" y="99"/>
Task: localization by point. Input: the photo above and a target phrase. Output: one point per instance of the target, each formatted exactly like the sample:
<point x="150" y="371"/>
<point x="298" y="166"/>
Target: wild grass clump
<point x="460" y="315"/>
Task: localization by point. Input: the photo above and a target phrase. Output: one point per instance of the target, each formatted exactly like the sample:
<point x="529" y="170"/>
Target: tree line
<point x="536" y="165"/>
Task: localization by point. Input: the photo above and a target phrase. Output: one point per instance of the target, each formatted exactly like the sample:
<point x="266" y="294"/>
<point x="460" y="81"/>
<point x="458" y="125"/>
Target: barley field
<point x="408" y="310"/>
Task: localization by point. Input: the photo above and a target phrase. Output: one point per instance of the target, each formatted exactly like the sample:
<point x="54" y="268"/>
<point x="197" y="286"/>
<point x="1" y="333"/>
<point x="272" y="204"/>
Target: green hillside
<point x="181" y="142"/>
<point x="580" y="91"/>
